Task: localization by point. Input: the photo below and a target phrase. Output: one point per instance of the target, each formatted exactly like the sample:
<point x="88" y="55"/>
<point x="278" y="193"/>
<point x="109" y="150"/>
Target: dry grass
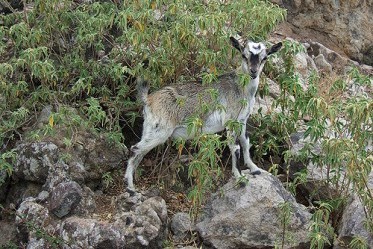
<point x="327" y="88"/>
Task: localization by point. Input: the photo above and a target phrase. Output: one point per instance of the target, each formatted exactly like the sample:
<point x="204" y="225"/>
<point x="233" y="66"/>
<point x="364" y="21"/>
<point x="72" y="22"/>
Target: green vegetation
<point x="83" y="59"/>
<point x="340" y="123"/>
<point x="60" y="53"/>
<point x="87" y="56"/>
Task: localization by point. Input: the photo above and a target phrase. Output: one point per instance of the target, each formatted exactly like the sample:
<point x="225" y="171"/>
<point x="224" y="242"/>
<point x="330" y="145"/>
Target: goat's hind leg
<point x="149" y="140"/>
<point x="132" y="164"/>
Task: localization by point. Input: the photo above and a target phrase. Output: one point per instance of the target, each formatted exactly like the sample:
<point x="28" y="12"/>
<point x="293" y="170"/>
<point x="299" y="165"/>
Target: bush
<point x="60" y="53"/>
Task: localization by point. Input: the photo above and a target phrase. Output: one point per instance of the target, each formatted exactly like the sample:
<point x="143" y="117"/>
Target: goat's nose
<point x="253" y="73"/>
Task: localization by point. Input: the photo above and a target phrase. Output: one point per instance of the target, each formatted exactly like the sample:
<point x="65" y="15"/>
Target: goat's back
<point x="174" y="104"/>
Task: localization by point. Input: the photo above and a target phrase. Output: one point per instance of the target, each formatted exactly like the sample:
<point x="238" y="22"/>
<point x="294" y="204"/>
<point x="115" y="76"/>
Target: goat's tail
<point x="142" y="89"/>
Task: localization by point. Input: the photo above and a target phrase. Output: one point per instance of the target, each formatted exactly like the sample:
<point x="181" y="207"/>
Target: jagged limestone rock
<point x="248" y="217"/>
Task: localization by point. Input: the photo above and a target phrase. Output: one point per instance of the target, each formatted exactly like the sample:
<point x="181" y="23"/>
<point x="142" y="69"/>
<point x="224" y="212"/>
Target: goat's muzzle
<point x="253" y="73"/>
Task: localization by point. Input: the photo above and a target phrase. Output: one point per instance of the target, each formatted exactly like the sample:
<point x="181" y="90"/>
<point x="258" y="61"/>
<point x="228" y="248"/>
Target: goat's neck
<point x="249" y="89"/>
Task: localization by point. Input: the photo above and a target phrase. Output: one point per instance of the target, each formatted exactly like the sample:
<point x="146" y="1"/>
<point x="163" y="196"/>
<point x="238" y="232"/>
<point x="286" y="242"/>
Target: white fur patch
<point x="256" y="48"/>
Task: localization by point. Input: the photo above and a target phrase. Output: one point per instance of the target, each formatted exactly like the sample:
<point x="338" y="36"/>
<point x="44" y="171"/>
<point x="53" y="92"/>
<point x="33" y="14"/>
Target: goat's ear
<point x="275" y="48"/>
<point x="236" y="44"/>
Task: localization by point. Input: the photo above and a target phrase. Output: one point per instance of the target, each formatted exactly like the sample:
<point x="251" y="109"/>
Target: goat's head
<point x="254" y="55"/>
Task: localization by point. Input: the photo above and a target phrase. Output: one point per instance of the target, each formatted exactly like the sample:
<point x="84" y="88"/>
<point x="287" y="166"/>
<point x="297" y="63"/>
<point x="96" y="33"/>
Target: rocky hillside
<point x="344" y="26"/>
<point x="68" y="113"/>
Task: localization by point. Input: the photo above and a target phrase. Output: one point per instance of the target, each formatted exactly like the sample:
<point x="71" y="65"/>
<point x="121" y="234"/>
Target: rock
<point x="248" y="217"/>
<point x="304" y="65"/>
<point x="87" y="205"/>
<point x="343" y="25"/>
<point x="144" y="227"/>
<point x="64" y="198"/>
<point x="353" y="219"/>
<point x="125" y="201"/>
<point x="264" y="104"/>
<point x="34" y="160"/>
<point x="8" y="232"/>
<point x="322" y="64"/>
<point x="316" y="183"/>
<point x="91" y="233"/>
<point x="183" y="247"/>
<point x="36" y="243"/>
<point x="327" y="59"/>
<point x="44" y="116"/>
<point x="181" y="224"/>
<point x="57" y="175"/>
<point x="42" y="196"/>
<point x="30" y="218"/>
<point x="4" y="183"/>
<point x="22" y="190"/>
<point x="90" y="156"/>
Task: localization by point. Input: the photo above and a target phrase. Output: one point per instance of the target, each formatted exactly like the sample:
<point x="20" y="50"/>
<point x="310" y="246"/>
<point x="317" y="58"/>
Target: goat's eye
<point x="265" y="58"/>
<point x="244" y="56"/>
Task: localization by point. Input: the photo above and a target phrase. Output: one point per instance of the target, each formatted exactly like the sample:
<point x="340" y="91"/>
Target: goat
<point x="167" y="110"/>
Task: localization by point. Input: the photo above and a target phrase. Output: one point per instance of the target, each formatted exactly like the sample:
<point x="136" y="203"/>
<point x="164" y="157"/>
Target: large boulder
<point x="317" y="178"/>
<point x="89" y="157"/>
<point x="344" y="25"/>
<point x="34" y="160"/>
<point x="51" y="162"/>
<point x="33" y="219"/>
<point x="353" y="220"/>
<point x="65" y="198"/>
<point x="249" y="217"/>
<point x="143" y="224"/>
<point x="143" y="227"/>
<point x="181" y="225"/>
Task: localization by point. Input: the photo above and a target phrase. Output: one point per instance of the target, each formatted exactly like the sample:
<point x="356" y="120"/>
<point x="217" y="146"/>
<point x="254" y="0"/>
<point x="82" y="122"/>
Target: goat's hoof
<point x="133" y="150"/>
<point x="131" y="191"/>
<point x="242" y="181"/>
<point x="256" y="172"/>
<point x="242" y="184"/>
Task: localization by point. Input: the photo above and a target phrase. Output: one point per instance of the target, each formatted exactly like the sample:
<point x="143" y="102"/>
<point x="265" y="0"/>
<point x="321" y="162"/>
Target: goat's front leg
<point x="245" y="143"/>
<point x="235" y="153"/>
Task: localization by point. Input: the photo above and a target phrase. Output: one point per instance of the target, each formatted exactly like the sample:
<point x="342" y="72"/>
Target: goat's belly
<point x="182" y="131"/>
<point x="212" y="124"/>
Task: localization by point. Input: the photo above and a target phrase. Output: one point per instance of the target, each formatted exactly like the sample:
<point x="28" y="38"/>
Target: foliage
<point x="340" y="123"/>
<point x="85" y="67"/>
<point x="82" y="60"/>
<point x="320" y="231"/>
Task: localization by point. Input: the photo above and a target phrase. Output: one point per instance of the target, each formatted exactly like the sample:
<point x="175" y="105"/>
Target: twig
<point x="7" y="5"/>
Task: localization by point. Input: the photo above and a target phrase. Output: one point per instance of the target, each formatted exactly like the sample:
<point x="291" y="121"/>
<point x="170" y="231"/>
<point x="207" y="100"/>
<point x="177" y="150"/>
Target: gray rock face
<point x="142" y="225"/>
<point x="8" y="231"/>
<point x="31" y="218"/>
<point x="181" y="224"/>
<point x="318" y="177"/>
<point x="34" y="160"/>
<point x="4" y="182"/>
<point x="348" y="24"/>
<point x="131" y="229"/>
<point x="81" y="233"/>
<point x="91" y="157"/>
<point x="248" y="217"/>
<point x="328" y="60"/>
<point x="65" y="197"/>
<point x="352" y="223"/>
